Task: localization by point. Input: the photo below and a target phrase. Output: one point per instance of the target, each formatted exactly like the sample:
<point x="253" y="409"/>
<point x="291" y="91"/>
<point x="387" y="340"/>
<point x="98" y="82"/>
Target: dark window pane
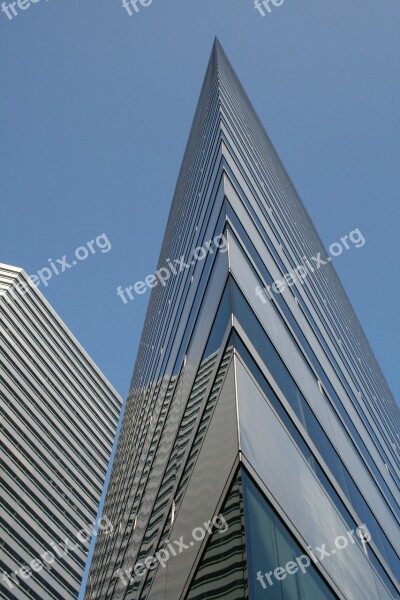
<point x="269" y="545"/>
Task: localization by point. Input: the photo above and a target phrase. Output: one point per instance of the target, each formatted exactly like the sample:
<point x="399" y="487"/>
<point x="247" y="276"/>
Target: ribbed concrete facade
<point x="58" y="421"/>
<point x="271" y="412"/>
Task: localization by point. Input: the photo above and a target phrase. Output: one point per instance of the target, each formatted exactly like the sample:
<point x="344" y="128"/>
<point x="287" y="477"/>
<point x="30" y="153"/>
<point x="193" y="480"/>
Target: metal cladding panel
<point x="213" y="469"/>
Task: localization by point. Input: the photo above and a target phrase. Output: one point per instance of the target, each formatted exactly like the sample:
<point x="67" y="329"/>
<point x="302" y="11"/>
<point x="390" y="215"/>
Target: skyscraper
<point x="259" y="451"/>
<point x="58" y="421"/>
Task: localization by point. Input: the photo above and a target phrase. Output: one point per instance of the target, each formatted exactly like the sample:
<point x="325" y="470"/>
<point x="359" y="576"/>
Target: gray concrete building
<point x="59" y="416"/>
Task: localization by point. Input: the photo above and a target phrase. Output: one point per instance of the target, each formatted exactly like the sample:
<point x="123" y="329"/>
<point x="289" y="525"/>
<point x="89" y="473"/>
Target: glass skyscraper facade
<point x="59" y="416"/>
<point x="267" y="413"/>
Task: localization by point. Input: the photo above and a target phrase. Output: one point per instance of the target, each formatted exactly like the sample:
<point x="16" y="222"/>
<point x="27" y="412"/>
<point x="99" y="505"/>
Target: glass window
<point x="324" y="446"/>
<point x="220" y="323"/>
<point x="274" y="558"/>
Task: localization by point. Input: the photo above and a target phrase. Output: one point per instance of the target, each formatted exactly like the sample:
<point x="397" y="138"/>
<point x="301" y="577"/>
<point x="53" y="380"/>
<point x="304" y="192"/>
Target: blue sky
<point x="95" y="112"/>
